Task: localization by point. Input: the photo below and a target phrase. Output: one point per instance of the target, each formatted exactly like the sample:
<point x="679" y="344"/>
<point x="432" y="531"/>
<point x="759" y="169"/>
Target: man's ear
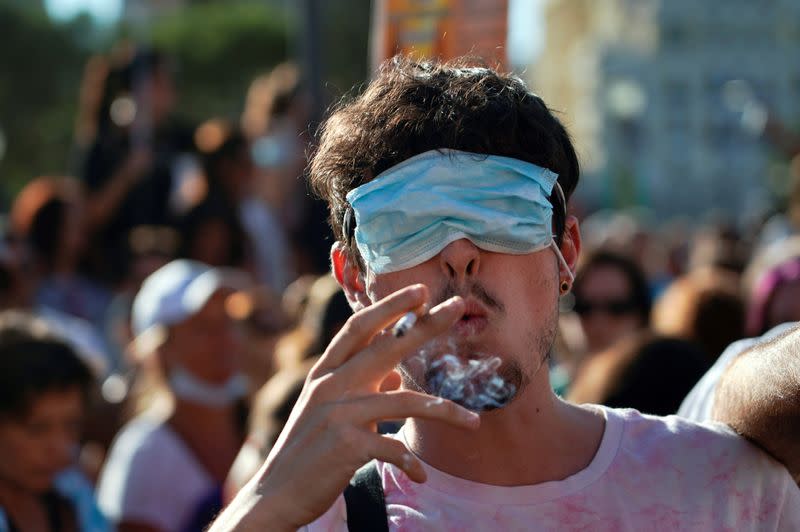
<point x="349" y="277"/>
<point x="571" y="242"/>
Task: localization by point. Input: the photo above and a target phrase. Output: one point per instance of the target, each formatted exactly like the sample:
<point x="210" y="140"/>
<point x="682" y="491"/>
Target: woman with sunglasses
<point x="612" y="299"/>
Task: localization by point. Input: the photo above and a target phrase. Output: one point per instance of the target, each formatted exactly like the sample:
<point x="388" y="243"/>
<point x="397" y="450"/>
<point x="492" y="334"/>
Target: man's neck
<point x="537" y="438"/>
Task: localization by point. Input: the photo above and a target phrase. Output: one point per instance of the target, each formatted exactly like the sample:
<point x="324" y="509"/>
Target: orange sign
<point x="441" y="29"/>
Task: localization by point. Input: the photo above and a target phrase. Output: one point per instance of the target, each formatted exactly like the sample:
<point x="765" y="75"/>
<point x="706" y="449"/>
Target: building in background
<point x="666" y="98"/>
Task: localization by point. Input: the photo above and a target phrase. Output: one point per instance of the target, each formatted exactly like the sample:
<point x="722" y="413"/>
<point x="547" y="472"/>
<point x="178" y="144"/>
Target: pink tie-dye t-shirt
<point x="649" y="473"/>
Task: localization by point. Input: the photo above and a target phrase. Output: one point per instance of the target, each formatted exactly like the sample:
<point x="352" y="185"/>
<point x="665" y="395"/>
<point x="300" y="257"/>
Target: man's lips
<point x="473" y="321"/>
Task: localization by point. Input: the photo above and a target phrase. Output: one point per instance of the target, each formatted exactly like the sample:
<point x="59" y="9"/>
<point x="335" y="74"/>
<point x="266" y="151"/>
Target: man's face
<point x="511" y="312"/>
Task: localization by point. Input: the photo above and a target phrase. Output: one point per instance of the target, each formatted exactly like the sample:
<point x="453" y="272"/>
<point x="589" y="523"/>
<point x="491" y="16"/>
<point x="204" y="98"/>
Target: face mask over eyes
<point x="412" y="211"/>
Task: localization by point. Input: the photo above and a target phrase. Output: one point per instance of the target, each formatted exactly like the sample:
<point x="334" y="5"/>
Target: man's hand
<point x="331" y="431"/>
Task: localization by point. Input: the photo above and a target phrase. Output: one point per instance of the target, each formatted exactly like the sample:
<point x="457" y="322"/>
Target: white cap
<point x="177" y="291"/>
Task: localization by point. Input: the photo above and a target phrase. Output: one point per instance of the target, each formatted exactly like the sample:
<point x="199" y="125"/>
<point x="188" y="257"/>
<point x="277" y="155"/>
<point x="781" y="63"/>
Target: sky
<point x="525" y="31"/>
<point x="104" y="11"/>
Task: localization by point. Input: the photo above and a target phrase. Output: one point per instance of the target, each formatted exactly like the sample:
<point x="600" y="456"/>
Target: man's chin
<point x="478" y="383"/>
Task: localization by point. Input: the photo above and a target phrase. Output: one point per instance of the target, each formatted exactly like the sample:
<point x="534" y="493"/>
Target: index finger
<point x="362" y="326"/>
<point x="382" y="355"/>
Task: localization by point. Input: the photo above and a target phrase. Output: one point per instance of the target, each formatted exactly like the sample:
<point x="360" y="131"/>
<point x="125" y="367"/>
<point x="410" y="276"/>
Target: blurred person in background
<point x="276" y="121"/>
<point x="44" y="393"/>
<point x="632" y="234"/>
<point x="48" y="215"/>
<point x="23" y="245"/>
<point x="17" y="284"/>
<point x="774" y="297"/>
<point x="149" y="248"/>
<point x="128" y="169"/>
<point x="227" y="161"/>
<point x="718" y="245"/>
<point x="166" y="466"/>
<point x="211" y="233"/>
<point x="262" y="322"/>
<point x="295" y="297"/>
<point x="272" y="405"/>
<point x="772" y="281"/>
<point x="18" y="287"/>
<point x="612" y="299"/>
<point x="704" y="306"/>
<point x="650" y="373"/>
<point x="325" y="312"/>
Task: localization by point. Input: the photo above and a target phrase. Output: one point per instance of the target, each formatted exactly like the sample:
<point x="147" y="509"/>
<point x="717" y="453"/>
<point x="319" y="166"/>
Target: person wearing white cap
<point x="165" y="470"/>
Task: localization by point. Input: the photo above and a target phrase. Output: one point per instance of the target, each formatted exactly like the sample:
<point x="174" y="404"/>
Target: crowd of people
<point x="172" y="340"/>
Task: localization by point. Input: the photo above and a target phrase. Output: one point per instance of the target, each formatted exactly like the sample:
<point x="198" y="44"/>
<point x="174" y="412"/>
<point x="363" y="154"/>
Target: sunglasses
<point x="613" y="307"/>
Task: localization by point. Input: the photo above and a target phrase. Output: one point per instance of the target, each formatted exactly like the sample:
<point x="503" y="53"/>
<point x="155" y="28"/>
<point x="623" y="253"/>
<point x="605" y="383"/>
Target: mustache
<point x="474" y="289"/>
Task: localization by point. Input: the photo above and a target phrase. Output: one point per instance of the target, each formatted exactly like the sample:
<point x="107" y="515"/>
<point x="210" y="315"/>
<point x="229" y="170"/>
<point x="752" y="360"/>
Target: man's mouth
<point x="474" y="320"/>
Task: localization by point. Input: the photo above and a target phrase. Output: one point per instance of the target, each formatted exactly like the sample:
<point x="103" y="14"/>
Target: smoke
<point x="474" y="380"/>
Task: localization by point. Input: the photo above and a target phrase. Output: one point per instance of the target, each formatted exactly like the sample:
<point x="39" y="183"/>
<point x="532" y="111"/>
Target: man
<point x="442" y="186"/>
<point x="166" y="467"/>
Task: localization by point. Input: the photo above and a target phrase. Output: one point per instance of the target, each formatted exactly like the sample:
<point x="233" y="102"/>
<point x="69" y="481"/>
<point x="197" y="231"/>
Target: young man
<point x="442" y="186"/>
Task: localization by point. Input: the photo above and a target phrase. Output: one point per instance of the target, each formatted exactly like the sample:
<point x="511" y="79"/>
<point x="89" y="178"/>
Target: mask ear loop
<point x="563" y="201"/>
<point x="348" y="228"/>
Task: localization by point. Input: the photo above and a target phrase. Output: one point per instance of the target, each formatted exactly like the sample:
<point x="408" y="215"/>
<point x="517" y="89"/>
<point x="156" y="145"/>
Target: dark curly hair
<point x="34" y="362"/>
<point x="415" y="106"/>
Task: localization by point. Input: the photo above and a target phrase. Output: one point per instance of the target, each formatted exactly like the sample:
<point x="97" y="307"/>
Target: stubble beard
<point x="483" y="388"/>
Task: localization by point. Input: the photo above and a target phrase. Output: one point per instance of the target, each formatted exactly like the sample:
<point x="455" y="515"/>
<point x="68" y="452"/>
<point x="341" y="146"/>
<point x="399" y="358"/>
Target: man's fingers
<point x="395" y="452"/>
<point x="382" y="355"/>
<point x="362" y="326"/>
<point x="404" y="403"/>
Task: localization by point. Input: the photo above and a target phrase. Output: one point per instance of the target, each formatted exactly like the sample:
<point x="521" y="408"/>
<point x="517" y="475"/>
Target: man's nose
<point x="460" y="259"/>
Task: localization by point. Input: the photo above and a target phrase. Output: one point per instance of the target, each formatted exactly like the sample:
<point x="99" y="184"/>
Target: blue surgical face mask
<point x="410" y="212"/>
<point x="190" y="388"/>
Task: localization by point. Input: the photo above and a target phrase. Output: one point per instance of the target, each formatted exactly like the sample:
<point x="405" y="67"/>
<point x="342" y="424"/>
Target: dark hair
<point x="640" y="290"/>
<point x="33" y="362"/>
<point x="704" y="306"/>
<point x="211" y="212"/>
<point x="128" y="68"/>
<point x="219" y="141"/>
<point x="415" y="106"/>
<point x="46" y="231"/>
<point x="649" y="373"/>
<point x="39" y="213"/>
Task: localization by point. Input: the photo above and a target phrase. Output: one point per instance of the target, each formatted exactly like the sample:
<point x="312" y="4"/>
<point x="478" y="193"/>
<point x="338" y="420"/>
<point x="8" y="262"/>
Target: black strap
<point x="366" y="507"/>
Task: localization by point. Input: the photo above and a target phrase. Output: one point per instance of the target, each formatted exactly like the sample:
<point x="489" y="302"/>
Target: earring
<point x="564" y="287"/>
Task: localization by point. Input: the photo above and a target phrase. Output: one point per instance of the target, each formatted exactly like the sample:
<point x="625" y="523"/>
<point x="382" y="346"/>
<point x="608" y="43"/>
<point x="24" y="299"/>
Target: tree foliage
<point x="219" y="47"/>
<point x="42" y="65"/>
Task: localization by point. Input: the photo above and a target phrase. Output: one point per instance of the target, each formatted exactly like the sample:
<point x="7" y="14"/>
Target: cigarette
<point x="404" y="324"/>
